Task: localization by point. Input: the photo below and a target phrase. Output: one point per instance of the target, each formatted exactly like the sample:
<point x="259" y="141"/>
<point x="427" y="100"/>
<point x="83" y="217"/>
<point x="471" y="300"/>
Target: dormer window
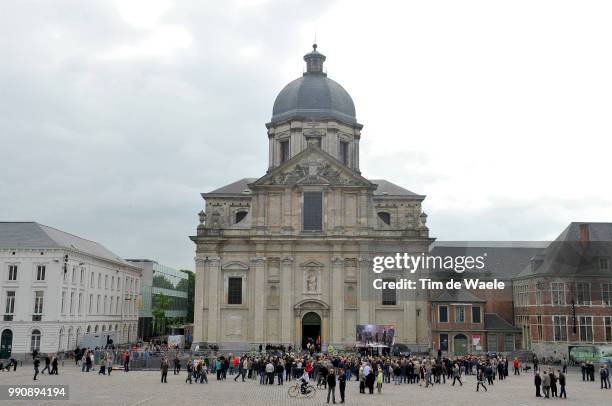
<point x="240" y="215"/>
<point x="385" y="217"/>
<point x="284" y="151"/>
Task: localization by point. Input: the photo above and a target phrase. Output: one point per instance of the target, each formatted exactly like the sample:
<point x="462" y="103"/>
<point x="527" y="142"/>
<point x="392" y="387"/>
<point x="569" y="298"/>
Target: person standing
<point x="480" y="379"/>
<point x="603" y="377"/>
<point x="177" y="365"/>
<point x="189" y="371"/>
<point x="553" y="383"/>
<point x="164" y="370"/>
<point x="126" y="362"/>
<point x="517" y="366"/>
<point x="342" y="384"/>
<point x="546" y="384"/>
<point x="457" y="375"/>
<point x="379" y="380"/>
<point x="538" y="383"/>
<point x="562" y="393"/>
<point x="54" y="366"/>
<point x="47" y="365"/>
<point x="109" y="363"/>
<point x="331" y="386"/>
<point x="36" y="364"/>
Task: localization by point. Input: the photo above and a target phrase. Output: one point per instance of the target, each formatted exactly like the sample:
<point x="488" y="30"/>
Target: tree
<point x="161" y="304"/>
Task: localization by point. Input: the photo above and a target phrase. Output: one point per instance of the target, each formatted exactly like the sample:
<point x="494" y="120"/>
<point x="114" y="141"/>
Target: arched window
<point x="88" y="329"/>
<point x="96" y="329"/>
<point x="240" y="215"/>
<point x="385" y="217"/>
<point x="35" y="340"/>
<point x="103" y="328"/>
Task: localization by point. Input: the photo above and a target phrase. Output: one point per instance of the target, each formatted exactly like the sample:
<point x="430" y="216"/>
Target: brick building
<point x="563" y="298"/>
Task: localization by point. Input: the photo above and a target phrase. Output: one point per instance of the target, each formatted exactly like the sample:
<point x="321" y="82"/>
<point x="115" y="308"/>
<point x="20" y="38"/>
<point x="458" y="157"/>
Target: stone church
<point x="288" y="256"/>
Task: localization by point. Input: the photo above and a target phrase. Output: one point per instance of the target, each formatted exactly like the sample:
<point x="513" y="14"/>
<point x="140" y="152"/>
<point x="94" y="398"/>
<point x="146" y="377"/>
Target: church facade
<point x="287" y="257"/>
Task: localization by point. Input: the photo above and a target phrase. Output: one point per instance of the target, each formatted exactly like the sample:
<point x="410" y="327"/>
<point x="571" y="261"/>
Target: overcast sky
<point x="116" y="115"/>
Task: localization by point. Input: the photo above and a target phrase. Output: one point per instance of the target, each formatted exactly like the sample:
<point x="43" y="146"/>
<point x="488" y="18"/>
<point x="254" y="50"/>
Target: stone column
<point x="215" y="296"/>
<point x="287" y="226"/>
<point x="365" y="292"/>
<point x="297" y="340"/>
<point x="286" y="302"/>
<point x="337" y="299"/>
<point x="325" y="330"/>
<point x="258" y="263"/>
<point x="200" y="322"/>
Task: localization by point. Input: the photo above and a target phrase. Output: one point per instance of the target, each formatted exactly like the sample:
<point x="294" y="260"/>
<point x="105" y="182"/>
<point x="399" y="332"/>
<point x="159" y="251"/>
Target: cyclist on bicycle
<point x="305" y="379"/>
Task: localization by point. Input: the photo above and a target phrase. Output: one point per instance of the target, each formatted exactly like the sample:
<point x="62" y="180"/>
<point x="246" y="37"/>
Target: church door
<point x="311" y="328"/>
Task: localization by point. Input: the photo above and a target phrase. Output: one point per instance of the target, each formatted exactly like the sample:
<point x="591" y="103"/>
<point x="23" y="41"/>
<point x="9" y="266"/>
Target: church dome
<point x="314" y="95"/>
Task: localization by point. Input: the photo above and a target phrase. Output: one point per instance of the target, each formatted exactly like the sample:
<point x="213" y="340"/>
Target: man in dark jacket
<point x="562" y="393"/>
<point x="331" y="385"/>
<point x="47" y="365"/>
<point x="342" y="384"/>
<point x="538" y="383"/>
<point x="36" y="364"/>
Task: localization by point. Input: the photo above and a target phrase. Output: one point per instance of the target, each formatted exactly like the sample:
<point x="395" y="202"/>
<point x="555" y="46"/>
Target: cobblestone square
<point x="144" y="388"/>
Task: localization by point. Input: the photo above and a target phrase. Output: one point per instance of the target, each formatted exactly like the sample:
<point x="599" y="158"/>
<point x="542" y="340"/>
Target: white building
<point x="55" y="287"/>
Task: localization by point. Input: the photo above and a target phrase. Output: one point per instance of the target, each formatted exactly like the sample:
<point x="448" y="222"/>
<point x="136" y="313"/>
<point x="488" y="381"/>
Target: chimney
<point x="584" y="235"/>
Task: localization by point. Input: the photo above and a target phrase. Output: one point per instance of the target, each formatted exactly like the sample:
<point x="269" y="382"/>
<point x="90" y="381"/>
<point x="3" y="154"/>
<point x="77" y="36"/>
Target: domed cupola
<point x="314" y="95"/>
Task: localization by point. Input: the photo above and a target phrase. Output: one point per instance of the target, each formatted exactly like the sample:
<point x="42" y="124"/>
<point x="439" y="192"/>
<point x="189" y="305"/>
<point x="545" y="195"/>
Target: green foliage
<point x="190" y="295"/>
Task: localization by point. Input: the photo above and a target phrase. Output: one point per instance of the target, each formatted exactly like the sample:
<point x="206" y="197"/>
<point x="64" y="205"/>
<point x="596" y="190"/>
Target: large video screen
<point x="375" y="335"/>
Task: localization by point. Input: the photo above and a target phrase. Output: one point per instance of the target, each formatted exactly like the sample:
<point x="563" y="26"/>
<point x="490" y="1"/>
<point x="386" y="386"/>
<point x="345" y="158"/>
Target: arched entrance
<point x="6" y="344"/>
<point x="311" y="328"/>
<point x="460" y="344"/>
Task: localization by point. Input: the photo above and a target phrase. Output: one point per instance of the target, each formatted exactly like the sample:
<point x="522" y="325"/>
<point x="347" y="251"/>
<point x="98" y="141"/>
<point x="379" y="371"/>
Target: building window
<point x="344" y="152"/>
<point x="71" y="302"/>
<point x="9" y="309"/>
<point x="586" y="328"/>
<point x="240" y="215"/>
<point x="560" y="328"/>
<point x="608" y="328"/>
<point x="583" y="293"/>
<point x="234" y="291"/>
<point x="112" y="283"/>
<point x="73" y="280"/>
<point x="459" y="314"/>
<point x="313" y="211"/>
<point x="80" y="302"/>
<point x="63" y="302"/>
<point x="91" y="280"/>
<point x="98" y="305"/>
<point x="105" y="281"/>
<point x="557" y="290"/>
<point x="475" y="314"/>
<point x="118" y="283"/>
<point x="385" y="217"/>
<point x="509" y="342"/>
<point x="12" y="272"/>
<point x="443" y="314"/>
<point x="538" y="295"/>
<point x="35" y="340"/>
<point x="40" y="272"/>
<point x="540" y="328"/>
<point x="38" y="302"/>
<point x="389" y="295"/>
<point x="99" y="280"/>
<point x="604" y="263"/>
<point x="284" y="151"/>
<point x="82" y="278"/>
<point x="491" y="342"/>
<point x="606" y="294"/>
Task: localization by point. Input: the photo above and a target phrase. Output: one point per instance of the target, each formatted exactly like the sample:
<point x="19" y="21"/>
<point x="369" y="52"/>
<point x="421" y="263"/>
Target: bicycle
<point x="296" y="391"/>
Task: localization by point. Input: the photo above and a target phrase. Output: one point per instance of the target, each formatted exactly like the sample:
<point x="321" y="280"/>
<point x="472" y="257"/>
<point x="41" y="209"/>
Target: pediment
<point x="235" y="266"/>
<point x="312" y="264"/>
<point x="313" y="166"/>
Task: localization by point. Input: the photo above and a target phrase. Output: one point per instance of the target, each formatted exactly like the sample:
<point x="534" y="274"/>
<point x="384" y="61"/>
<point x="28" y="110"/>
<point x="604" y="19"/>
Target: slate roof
<point x="385" y="188"/>
<point x="457" y="296"/>
<point x="494" y="322"/>
<point x="568" y="256"/>
<point x="504" y="260"/>
<point x="34" y="235"/>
